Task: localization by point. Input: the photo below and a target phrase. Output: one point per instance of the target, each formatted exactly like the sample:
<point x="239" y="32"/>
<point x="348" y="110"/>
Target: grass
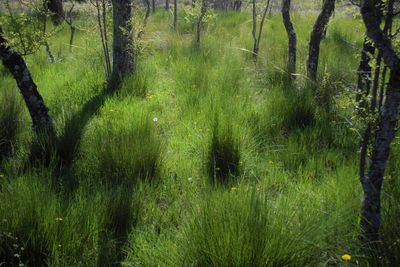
<point x="129" y="182"/>
<point x="10" y="120"/>
<point x="127" y="147"/>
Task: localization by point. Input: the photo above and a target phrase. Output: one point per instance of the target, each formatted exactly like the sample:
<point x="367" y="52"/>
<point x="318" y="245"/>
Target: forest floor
<point x="203" y="157"/>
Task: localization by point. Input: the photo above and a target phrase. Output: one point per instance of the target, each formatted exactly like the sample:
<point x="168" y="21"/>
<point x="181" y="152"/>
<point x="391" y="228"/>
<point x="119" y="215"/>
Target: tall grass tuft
<point x="10" y="116"/>
<point x="224" y="152"/>
<point x="119" y="218"/>
<point x="388" y="252"/>
<point x="285" y="112"/>
<point x="43" y="150"/>
<point x="250" y="227"/>
<point x="121" y="145"/>
<point x="28" y="211"/>
<point x="135" y="85"/>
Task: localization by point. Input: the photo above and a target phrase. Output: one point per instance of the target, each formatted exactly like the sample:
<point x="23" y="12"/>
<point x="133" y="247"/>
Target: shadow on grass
<point x="120" y="218"/>
<point x="59" y="153"/>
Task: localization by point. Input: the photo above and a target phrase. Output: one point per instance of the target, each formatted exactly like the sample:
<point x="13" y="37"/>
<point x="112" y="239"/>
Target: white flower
<point x="155" y="119"/>
<point x="190" y="179"/>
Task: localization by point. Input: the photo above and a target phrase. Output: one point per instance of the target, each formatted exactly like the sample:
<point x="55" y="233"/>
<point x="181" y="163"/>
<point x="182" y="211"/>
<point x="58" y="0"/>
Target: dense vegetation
<point x="203" y="157"/>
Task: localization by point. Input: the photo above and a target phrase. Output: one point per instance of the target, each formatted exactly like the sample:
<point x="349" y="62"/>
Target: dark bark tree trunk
<point x="257" y="38"/>
<point x="153" y="6"/>
<point x="373" y="180"/>
<point x="204" y="5"/>
<point x="41" y="120"/>
<point x="291" y="36"/>
<point x="175" y="12"/>
<point x="56" y="7"/>
<point x="364" y="83"/>
<point x="317" y="34"/>
<point x="167" y="5"/>
<point x="364" y="72"/>
<point x="123" y="56"/>
<point x="147" y="14"/>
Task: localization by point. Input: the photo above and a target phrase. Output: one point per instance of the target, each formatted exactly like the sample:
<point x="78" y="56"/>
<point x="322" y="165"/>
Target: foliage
<point x="25" y="32"/>
<point x="192" y="13"/>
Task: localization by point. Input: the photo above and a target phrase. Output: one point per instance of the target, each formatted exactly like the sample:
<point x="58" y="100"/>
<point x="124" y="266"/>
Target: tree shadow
<point x="59" y="152"/>
<point x="70" y="139"/>
<point x="120" y="218"/>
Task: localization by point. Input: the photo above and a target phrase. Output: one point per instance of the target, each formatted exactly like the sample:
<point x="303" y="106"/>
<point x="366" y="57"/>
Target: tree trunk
<point x="153" y="6"/>
<point x="203" y="12"/>
<point x="167" y="5"/>
<point x="41" y="120"/>
<point x="316" y="36"/>
<point x="364" y="72"/>
<point x="291" y="36"/>
<point x="257" y="39"/>
<point x="364" y="84"/>
<point x="254" y="30"/>
<point x="175" y="12"/>
<point x="372" y="182"/>
<point x="56" y="7"/>
<point x="147" y="14"/>
<point x="123" y="57"/>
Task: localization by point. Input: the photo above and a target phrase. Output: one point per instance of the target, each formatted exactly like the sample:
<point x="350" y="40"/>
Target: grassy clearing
<point x="132" y="179"/>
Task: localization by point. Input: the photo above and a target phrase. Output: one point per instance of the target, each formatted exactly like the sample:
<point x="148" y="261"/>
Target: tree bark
<point x="257" y="39"/>
<point x="317" y="33"/>
<point x="204" y="5"/>
<point x="175" y="13"/>
<point x="364" y="82"/>
<point x="364" y="72"/>
<point x="41" y="120"/>
<point x="123" y="56"/>
<point x="147" y="14"/>
<point x="372" y="182"/>
<point x="167" y="5"/>
<point x="153" y="6"/>
<point x="291" y="36"/>
<point x="56" y="7"/>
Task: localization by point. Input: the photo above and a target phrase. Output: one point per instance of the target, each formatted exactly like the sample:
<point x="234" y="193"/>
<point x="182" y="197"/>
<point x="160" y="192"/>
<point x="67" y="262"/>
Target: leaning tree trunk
<point x="123" y="57"/>
<point x="56" y="7"/>
<point x="291" y="36"/>
<point x="372" y="182"/>
<point x="316" y="36"/>
<point x="41" y="120"/>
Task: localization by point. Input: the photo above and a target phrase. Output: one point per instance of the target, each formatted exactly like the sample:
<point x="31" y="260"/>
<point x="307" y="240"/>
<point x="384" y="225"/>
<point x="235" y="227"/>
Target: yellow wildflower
<point x="59" y="219"/>
<point x="346" y="257"/>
